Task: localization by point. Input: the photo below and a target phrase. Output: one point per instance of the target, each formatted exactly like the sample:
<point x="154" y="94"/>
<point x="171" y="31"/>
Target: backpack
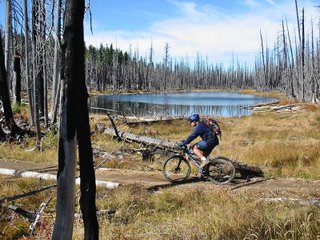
<point x="213" y="125"/>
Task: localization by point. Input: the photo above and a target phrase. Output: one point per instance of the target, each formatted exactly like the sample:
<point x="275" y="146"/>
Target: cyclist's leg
<point x="202" y="149"/>
<point x="199" y="148"/>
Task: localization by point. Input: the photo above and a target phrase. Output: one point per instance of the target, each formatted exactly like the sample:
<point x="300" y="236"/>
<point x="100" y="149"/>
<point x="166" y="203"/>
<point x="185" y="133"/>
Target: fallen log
<point x="284" y="107"/>
<point x="149" y="141"/>
<point x="149" y="121"/>
<point x="154" y="144"/>
<point x="269" y="104"/>
<point x="275" y="108"/>
<point x="46" y="176"/>
<point x="32" y="216"/>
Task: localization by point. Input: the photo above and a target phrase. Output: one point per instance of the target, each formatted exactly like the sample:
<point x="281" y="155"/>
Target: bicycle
<point x="177" y="168"/>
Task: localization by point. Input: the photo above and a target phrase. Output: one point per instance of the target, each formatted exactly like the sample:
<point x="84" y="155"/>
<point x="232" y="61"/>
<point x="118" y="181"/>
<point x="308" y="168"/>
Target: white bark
<point x="46" y="176"/>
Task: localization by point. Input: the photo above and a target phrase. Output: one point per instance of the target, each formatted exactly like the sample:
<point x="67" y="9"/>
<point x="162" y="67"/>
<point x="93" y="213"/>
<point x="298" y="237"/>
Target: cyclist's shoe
<point x="201" y="173"/>
<point x="204" y="163"/>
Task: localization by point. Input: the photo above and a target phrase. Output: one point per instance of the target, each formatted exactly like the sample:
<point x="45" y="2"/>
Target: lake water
<point x="225" y="104"/>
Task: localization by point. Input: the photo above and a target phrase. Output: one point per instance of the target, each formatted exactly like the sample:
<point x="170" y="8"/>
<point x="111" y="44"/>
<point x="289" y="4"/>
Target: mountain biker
<point x="209" y="140"/>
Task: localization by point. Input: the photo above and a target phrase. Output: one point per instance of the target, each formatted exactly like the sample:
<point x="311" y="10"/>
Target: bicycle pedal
<point x="200" y="175"/>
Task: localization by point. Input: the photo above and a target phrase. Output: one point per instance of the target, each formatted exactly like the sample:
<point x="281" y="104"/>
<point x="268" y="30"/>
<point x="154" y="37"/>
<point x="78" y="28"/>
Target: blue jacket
<point x="204" y="132"/>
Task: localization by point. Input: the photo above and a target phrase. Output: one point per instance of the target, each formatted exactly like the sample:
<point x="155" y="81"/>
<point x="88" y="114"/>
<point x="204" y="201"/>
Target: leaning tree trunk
<point x="74" y="123"/>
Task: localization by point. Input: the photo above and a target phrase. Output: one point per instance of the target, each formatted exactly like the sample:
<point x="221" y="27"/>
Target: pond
<point x="225" y="104"/>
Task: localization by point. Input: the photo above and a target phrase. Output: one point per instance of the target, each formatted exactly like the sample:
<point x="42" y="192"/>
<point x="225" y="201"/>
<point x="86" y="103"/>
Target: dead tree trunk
<point x="87" y="173"/>
<point x="74" y="128"/>
<point x="55" y="96"/>
<point x="314" y="84"/>
<point x="4" y="91"/>
<point x="36" y="67"/>
<point x="8" y="42"/>
<point x="17" y="77"/>
<point x="162" y="144"/>
<point x="303" y="58"/>
<point x="291" y="66"/>
<point x="27" y="67"/>
<point x="263" y="60"/>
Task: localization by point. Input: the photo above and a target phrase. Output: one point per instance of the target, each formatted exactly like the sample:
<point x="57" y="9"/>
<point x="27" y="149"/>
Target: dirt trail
<point x="277" y="187"/>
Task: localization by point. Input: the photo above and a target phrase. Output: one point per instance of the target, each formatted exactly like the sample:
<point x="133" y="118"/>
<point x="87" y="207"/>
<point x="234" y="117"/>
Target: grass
<point x="26" y="152"/>
<point x="197" y="213"/>
<point x="285" y="144"/>
<point x="203" y="214"/>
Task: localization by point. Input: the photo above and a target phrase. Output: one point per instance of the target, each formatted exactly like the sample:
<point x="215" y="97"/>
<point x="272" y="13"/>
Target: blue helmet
<point x="194" y="118"/>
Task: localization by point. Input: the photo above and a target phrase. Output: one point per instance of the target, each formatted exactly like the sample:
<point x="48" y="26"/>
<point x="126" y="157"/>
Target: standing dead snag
<point x="75" y="129"/>
<point x="15" y="131"/>
<point x="17" y="77"/>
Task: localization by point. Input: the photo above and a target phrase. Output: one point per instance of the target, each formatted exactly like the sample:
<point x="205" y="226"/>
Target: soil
<point x="293" y="188"/>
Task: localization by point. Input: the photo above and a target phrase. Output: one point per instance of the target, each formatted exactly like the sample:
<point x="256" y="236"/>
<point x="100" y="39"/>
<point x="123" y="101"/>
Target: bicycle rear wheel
<point x="220" y="170"/>
<point x="176" y="169"/>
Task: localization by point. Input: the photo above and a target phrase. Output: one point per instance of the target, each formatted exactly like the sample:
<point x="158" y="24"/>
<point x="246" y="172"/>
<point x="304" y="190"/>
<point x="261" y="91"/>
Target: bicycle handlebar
<point x="184" y="148"/>
<point x="181" y="146"/>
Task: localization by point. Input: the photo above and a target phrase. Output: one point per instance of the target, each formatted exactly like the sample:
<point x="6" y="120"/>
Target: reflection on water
<point x="178" y="104"/>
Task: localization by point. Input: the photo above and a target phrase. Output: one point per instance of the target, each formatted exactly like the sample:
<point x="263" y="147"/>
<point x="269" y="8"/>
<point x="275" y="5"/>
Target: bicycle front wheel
<point x="176" y="169"/>
<point x="220" y="170"/>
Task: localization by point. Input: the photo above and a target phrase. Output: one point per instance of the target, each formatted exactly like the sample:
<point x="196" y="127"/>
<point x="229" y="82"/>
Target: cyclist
<point x="209" y="140"/>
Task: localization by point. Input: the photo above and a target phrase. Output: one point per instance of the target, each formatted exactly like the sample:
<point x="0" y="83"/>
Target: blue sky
<point x="215" y="29"/>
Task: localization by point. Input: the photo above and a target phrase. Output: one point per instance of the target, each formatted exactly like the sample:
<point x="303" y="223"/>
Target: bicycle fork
<point x="177" y="169"/>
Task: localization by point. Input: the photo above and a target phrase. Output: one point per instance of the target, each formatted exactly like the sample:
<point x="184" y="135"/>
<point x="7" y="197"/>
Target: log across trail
<point x="154" y="145"/>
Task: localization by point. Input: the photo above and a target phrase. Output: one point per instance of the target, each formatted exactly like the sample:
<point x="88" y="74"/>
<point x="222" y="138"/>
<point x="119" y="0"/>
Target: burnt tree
<point x="75" y="130"/>
<point x="4" y="91"/>
<point x="17" y="77"/>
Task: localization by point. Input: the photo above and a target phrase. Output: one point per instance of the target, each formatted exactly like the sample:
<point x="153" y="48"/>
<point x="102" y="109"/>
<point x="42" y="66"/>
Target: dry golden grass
<point x="27" y="152"/>
<point x="203" y="214"/>
<point x="13" y="226"/>
<point x="196" y="213"/>
<point x="284" y="144"/>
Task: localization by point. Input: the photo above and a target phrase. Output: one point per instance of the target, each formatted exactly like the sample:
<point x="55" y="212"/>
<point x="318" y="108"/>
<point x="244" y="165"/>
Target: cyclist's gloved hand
<point x="181" y="144"/>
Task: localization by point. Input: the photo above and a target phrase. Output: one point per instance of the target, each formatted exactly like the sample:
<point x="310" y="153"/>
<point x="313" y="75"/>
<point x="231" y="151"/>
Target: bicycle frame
<point x="189" y="155"/>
